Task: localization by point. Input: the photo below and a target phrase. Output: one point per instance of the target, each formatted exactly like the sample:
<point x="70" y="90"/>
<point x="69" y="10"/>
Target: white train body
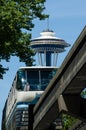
<point x="28" y="85"/>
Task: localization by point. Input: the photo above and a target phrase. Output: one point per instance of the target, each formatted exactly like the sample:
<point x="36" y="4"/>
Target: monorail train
<point x="28" y="85"/>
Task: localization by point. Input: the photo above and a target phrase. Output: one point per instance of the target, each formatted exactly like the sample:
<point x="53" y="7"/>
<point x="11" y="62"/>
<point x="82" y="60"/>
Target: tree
<point x="15" y="16"/>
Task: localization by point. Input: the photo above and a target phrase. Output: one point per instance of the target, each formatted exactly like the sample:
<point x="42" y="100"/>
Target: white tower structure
<point x="48" y="46"/>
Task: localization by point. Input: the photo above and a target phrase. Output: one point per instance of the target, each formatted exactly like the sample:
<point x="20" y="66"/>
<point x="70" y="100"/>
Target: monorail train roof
<point x="37" y="67"/>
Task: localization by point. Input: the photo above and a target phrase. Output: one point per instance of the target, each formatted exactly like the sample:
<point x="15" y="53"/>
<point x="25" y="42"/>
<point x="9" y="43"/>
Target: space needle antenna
<point x="48" y="22"/>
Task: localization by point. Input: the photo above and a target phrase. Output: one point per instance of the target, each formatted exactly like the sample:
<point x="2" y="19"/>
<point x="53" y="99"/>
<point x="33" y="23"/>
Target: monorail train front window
<point x="33" y="80"/>
<point x="21" y="79"/>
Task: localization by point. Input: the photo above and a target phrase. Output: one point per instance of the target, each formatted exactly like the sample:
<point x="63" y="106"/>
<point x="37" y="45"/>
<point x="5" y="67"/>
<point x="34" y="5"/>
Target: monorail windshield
<point x="34" y="79"/>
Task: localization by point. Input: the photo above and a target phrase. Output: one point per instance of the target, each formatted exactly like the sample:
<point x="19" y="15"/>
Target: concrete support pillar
<point x="72" y="104"/>
<point x="61" y="104"/>
<point x="31" y="117"/>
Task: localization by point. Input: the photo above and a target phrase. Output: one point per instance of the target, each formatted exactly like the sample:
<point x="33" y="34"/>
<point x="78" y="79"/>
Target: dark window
<point x="34" y="79"/>
<point x="21" y="79"/>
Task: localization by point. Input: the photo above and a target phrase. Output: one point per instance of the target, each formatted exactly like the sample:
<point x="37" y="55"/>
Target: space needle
<point x="47" y="46"/>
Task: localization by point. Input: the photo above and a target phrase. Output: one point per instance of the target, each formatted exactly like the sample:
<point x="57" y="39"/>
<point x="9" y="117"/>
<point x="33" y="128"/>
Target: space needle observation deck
<point x="48" y="46"/>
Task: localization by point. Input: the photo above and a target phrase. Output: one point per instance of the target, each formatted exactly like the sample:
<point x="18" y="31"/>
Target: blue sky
<point x="67" y="19"/>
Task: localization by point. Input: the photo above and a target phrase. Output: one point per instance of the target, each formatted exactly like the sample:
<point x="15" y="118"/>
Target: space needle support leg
<point x="44" y="57"/>
<point x="56" y="56"/>
<point x="39" y="58"/>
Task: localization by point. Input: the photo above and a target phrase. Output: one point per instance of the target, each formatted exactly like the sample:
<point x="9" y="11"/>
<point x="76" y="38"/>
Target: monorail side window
<point x="21" y="80"/>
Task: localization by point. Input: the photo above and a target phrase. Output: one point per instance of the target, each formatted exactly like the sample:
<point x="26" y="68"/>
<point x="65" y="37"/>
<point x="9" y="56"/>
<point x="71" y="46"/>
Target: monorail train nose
<point x="28" y="96"/>
<point x="39" y="94"/>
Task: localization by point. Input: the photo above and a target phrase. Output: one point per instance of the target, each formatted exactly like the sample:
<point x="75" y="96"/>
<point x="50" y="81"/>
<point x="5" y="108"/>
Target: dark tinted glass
<point x="34" y="80"/>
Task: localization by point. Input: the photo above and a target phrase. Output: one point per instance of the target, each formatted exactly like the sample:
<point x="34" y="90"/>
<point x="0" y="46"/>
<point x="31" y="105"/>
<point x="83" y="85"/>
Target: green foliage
<point x="2" y="71"/>
<point x="83" y="93"/>
<point x="15" y="16"/>
<point x="68" y="121"/>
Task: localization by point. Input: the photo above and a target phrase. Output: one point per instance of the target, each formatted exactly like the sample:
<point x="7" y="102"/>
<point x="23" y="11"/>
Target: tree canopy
<point x="15" y="16"/>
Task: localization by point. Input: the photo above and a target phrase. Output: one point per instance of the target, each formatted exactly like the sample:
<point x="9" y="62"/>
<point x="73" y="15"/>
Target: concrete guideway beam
<point x="63" y="92"/>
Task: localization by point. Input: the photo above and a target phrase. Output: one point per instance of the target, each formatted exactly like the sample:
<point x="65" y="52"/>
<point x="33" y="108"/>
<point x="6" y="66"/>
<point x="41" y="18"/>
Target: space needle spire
<point x="47" y="23"/>
<point x="48" y="46"/>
